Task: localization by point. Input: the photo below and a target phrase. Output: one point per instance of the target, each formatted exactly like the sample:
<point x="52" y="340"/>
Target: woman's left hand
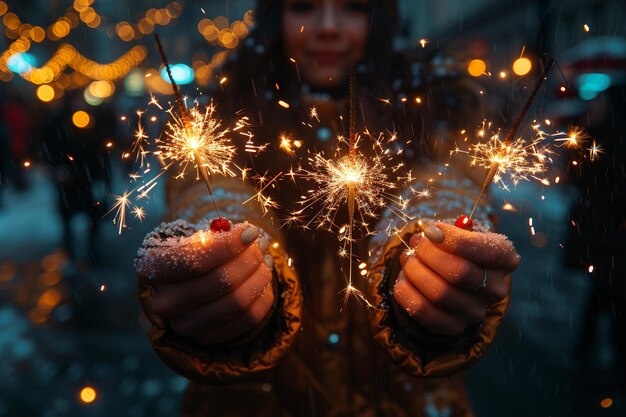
<point x="452" y="275"/>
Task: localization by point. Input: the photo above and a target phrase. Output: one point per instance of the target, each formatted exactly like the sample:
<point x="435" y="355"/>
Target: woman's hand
<point x="231" y="295"/>
<point x="452" y="275"/>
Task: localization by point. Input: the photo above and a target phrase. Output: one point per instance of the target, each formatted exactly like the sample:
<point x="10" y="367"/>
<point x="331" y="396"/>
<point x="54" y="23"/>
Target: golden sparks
<point x="595" y="151"/>
<point x="122" y="202"/>
<point x="197" y="139"/>
<point x="522" y="158"/>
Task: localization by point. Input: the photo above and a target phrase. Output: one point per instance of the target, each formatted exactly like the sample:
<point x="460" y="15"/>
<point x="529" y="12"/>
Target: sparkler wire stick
<point x="185" y="117"/>
<point x="352" y="141"/>
<point x="509" y="137"/>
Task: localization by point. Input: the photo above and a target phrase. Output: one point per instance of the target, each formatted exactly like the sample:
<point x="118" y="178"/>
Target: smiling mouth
<point x="327" y="58"/>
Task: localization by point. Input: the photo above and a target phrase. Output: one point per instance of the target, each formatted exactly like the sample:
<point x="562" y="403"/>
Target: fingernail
<point x="415" y="239"/>
<point x="264" y="243"/>
<point x="249" y="235"/>
<point x="434" y="233"/>
<point x="269" y="260"/>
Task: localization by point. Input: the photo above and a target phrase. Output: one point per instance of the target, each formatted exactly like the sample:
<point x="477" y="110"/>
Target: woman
<point x="260" y="336"/>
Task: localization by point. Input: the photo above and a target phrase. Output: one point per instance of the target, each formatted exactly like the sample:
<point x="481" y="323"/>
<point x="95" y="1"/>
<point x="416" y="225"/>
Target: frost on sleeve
<point x="409" y="345"/>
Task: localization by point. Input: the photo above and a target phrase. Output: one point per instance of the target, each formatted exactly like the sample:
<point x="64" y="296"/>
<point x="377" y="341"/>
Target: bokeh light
<point x="522" y="66"/>
<point x="81" y="119"/>
<point x="476" y="67"/>
<point x="87" y="395"/>
<point x="182" y="74"/>
<point x="21" y="63"/>
<point x="606" y="402"/>
<point x="101" y="89"/>
<point x="45" y="93"/>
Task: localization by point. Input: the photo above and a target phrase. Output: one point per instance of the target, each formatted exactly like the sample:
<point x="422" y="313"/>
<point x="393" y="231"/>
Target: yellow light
<point x="101" y="89"/>
<point x="476" y="67"/>
<point x="248" y="19"/>
<point x="228" y="39"/>
<point x="61" y="29"/>
<point x="503" y="74"/>
<point x="239" y="28"/>
<point x="3" y="8"/>
<point x="92" y="20"/>
<point x="221" y="22"/>
<point x="174" y="9"/>
<point x="49" y="299"/>
<point x="211" y="33"/>
<point x="87" y="395"/>
<point x="125" y="31"/>
<point x="522" y="66"/>
<point x="81" y="119"/>
<point x="11" y="21"/>
<point x="145" y="27"/>
<point x="45" y="93"/>
<point x="586" y="27"/>
<point x="37" y="34"/>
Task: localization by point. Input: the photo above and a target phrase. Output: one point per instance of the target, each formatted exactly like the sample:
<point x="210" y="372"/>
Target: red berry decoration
<point x="220" y="225"/>
<point x="464" y="222"/>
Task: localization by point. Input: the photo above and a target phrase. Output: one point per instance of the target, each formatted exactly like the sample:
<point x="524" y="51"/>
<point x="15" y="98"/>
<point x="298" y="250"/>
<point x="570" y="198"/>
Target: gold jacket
<point x="313" y="356"/>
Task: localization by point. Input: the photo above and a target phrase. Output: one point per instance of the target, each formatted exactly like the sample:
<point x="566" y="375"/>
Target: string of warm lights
<point x="220" y="32"/>
<point x="81" y="11"/>
<point x="67" y="55"/>
<point x="25" y="34"/>
<point x="53" y="79"/>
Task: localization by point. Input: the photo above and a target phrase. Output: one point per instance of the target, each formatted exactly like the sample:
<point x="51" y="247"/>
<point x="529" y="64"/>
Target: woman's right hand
<point x="230" y="297"/>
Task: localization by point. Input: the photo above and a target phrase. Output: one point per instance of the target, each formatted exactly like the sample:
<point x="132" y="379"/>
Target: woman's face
<point x="325" y="37"/>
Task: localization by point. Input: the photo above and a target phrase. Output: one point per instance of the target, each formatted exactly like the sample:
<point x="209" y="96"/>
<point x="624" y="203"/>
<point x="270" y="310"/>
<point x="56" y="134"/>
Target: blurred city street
<point x="70" y="324"/>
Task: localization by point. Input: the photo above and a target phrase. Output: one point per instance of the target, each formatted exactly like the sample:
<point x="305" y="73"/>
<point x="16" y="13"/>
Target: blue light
<point x="592" y="84"/>
<point x="182" y="74"/>
<point x="21" y="63"/>
<point x="333" y="339"/>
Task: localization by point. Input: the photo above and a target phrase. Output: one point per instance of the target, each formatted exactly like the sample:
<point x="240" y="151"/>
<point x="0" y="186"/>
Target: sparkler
<point x="352" y="179"/>
<point x="195" y="138"/>
<point x="508" y="155"/>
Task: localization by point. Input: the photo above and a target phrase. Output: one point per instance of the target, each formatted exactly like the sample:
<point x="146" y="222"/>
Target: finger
<point x="441" y="294"/>
<point x="489" y="250"/>
<point x="413" y="240"/>
<point x="240" y="324"/>
<point x="457" y="271"/>
<point x="224" y="308"/>
<point x="170" y="299"/>
<point x="424" y="312"/>
<point x="197" y="254"/>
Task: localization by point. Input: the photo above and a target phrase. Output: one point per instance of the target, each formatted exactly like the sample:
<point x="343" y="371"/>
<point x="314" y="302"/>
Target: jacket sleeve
<point x="261" y="348"/>
<point x="409" y="345"/>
